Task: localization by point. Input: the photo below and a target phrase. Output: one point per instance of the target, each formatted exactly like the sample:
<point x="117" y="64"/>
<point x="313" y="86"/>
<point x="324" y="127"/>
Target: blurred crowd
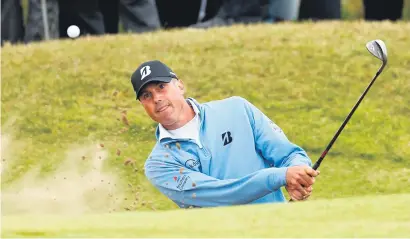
<point x="49" y="19"/>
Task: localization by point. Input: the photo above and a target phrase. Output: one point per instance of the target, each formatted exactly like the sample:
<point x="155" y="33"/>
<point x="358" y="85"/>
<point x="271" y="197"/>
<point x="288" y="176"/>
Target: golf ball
<point x="73" y="31"/>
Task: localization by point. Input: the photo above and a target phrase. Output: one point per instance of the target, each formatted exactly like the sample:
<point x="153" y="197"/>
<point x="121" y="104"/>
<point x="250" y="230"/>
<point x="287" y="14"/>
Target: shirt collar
<point x="164" y="133"/>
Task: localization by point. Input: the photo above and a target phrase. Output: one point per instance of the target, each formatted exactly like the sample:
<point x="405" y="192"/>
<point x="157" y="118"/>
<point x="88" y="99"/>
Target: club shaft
<point x="329" y="146"/>
<point x="319" y="161"/>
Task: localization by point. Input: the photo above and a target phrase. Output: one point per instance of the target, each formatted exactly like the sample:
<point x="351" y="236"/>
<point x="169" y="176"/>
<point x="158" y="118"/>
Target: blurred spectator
<point x="184" y="13"/>
<point x="42" y="20"/>
<point x="283" y="10"/>
<point x="135" y="15"/>
<point x="12" y="24"/>
<point x="320" y="9"/>
<point x="235" y="11"/>
<point x="110" y="11"/>
<point x="180" y="13"/>
<point x="83" y="13"/>
<point x="49" y="19"/>
<point x="139" y="15"/>
<point x="383" y="9"/>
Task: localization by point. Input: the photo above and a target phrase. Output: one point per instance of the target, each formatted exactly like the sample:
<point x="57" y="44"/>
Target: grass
<point x="62" y="99"/>
<point x="354" y="217"/>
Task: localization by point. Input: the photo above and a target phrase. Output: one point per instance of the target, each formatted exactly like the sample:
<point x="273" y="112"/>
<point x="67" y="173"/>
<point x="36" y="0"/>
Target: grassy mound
<point x="70" y="119"/>
<point x="353" y="217"/>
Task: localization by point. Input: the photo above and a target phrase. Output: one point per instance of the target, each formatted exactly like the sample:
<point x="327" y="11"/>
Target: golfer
<point x="219" y="153"/>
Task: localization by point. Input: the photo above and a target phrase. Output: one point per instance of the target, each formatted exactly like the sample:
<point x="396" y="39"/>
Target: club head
<point x="378" y="49"/>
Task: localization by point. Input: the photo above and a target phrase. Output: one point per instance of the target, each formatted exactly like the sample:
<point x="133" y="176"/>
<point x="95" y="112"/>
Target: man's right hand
<point x="299" y="181"/>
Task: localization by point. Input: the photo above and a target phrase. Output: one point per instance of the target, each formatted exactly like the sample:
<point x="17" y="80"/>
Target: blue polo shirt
<point x="242" y="158"/>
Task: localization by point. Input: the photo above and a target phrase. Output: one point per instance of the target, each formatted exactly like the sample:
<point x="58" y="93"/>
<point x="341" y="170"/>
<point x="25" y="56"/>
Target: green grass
<point x="381" y="216"/>
<point x="61" y="99"/>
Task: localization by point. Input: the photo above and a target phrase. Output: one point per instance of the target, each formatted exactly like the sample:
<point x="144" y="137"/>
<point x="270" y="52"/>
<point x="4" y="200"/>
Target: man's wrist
<point x="277" y="178"/>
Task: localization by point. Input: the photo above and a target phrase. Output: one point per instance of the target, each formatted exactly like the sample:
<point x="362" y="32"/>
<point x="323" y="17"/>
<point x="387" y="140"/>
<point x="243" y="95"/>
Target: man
<point x="136" y="15"/>
<point x="84" y="14"/>
<point x="12" y="22"/>
<point x="37" y="22"/>
<point x="235" y="12"/>
<point x="320" y="10"/>
<point x="283" y="10"/>
<point x="379" y="10"/>
<point x="224" y="152"/>
<point x="188" y="12"/>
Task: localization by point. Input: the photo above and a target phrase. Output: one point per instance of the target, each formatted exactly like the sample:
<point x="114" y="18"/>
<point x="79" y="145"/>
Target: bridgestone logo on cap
<point x="145" y="71"/>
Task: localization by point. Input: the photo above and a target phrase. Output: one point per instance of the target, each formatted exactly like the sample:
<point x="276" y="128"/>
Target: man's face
<point x="163" y="102"/>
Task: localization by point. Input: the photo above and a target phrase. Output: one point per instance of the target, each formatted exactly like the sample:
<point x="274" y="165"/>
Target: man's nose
<point x="157" y="97"/>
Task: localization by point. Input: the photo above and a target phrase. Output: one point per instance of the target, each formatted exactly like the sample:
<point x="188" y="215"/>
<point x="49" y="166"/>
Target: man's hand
<point x="299" y="181"/>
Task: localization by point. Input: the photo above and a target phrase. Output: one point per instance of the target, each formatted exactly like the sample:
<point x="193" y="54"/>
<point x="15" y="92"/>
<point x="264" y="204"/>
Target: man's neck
<point x="187" y="115"/>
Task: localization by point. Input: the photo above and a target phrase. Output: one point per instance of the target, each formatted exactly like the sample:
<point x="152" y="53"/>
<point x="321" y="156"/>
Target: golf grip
<point x="319" y="161"/>
<point x="316" y="165"/>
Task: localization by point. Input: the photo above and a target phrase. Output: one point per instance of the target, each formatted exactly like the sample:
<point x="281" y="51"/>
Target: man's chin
<point x="168" y="126"/>
<point x="166" y="122"/>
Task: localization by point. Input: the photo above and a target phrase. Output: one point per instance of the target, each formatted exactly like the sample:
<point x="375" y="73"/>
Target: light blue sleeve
<point x="192" y="188"/>
<point x="272" y="142"/>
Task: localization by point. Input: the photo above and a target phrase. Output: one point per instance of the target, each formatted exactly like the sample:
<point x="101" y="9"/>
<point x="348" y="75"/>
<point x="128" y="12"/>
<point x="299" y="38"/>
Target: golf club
<point x="378" y="49"/>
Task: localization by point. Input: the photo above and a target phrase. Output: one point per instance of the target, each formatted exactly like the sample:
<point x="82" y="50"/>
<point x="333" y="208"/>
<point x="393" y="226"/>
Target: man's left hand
<point x="295" y="194"/>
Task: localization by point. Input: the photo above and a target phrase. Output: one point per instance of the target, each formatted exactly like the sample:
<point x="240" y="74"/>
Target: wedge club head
<point x="378" y="49"/>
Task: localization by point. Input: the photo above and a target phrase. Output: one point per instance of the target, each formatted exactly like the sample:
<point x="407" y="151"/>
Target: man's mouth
<point x="162" y="108"/>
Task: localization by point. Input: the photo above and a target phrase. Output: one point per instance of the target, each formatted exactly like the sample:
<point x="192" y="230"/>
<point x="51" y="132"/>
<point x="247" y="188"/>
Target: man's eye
<point x="145" y="95"/>
<point x="161" y="86"/>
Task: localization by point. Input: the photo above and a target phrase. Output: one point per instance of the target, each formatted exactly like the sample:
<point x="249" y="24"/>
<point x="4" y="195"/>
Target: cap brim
<point x="165" y="79"/>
